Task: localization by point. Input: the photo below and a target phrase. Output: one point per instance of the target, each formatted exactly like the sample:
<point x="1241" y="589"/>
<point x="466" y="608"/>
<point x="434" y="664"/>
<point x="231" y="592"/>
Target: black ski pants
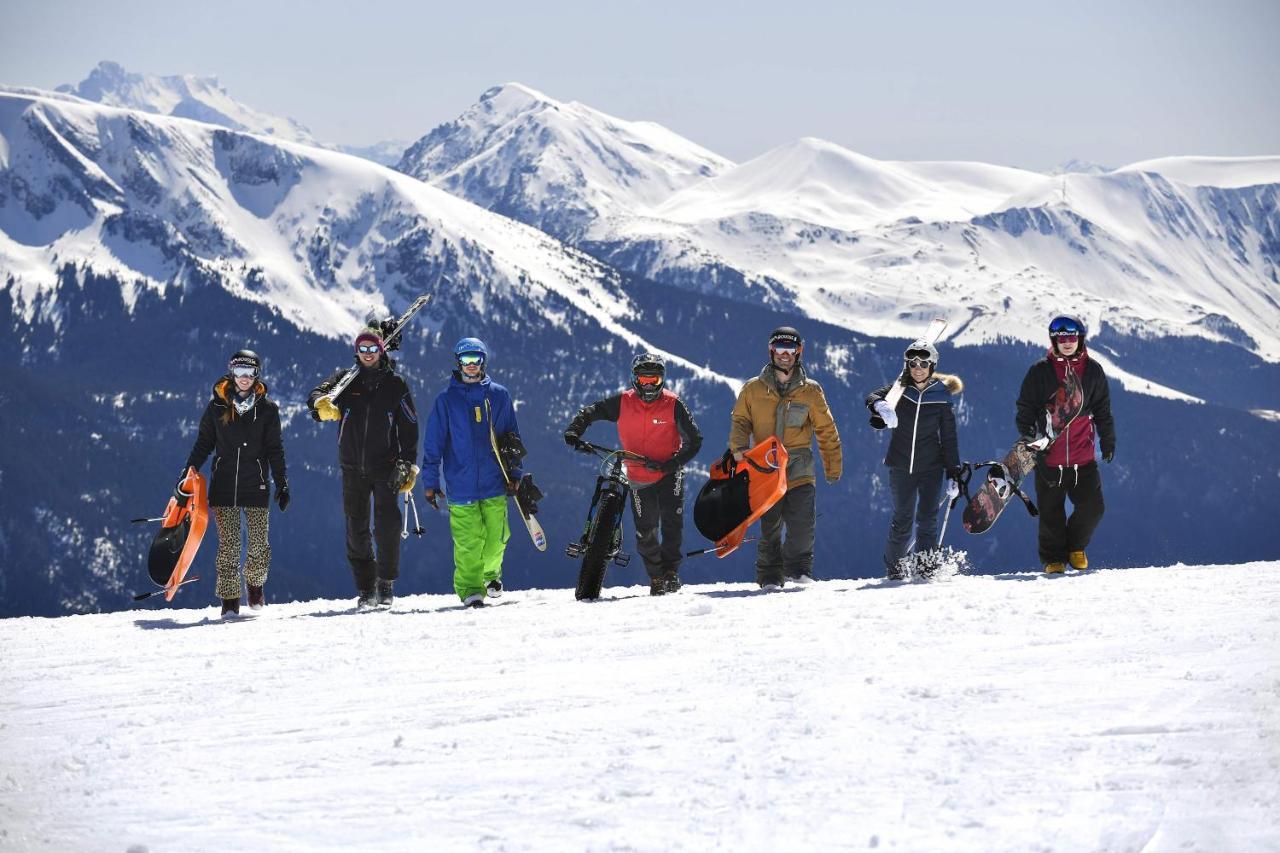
<point x="776" y="559"/>
<point x="1059" y="534"/>
<point x="357" y="490"/>
<point x="915" y="496"/>
<point x="660" y="507"/>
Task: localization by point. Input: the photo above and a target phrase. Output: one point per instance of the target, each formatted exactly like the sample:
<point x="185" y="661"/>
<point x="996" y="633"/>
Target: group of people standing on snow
<point x="378" y="439"/>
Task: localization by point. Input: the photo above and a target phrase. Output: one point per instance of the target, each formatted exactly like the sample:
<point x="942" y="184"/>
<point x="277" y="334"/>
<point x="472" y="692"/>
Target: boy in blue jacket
<point x="458" y="440"/>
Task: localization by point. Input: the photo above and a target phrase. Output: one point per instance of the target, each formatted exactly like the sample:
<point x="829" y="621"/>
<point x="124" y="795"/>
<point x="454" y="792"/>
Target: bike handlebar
<point x="606" y="452"/>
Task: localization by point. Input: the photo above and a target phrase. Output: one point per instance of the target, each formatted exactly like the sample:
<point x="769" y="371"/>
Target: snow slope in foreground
<point x="1116" y="710"/>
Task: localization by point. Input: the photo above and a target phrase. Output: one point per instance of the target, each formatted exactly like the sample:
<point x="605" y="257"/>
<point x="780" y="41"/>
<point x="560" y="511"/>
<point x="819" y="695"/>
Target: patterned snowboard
<point x="1004" y="478"/>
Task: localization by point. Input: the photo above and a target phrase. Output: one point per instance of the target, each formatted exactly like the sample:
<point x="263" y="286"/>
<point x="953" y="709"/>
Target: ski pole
<point x="715" y="548"/>
<point x="411" y="502"/>
<point x="145" y="595"/>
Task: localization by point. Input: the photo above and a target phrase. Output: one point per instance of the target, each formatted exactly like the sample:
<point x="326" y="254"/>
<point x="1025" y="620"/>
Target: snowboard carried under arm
<point x="182" y="528"/>
<point x="1004" y="478"/>
<point x="740" y="492"/>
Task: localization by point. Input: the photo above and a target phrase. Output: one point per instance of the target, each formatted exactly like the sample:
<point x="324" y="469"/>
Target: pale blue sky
<point x="1020" y="83"/>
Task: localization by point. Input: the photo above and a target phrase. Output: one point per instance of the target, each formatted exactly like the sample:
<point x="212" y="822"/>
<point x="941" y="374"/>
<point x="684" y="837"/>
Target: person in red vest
<point x="654" y="423"/>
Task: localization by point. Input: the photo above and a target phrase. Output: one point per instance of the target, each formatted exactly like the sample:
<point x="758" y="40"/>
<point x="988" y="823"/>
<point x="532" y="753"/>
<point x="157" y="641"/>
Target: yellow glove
<point x="327" y="410"/>
<point x="403" y="476"/>
<point x="413" y="479"/>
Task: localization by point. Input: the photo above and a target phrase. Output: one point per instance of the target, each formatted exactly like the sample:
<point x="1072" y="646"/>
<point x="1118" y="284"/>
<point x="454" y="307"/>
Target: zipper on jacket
<point x="235" y="484"/>
<point x="915" y="428"/>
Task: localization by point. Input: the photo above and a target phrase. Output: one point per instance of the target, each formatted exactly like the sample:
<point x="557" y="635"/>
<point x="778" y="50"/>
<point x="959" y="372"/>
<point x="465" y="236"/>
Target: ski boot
<point x="473" y="601"/>
<point x="257" y="598"/>
<point x="671" y="581"/>
<point x="657" y="586"/>
<point x="367" y="600"/>
<point x="493" y="589"/>
<point x="385" y="595"/>
<point x="230" y="607"/>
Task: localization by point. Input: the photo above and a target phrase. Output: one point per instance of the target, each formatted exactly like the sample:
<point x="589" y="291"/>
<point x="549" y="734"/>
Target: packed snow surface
<point x="1112" y="710"/>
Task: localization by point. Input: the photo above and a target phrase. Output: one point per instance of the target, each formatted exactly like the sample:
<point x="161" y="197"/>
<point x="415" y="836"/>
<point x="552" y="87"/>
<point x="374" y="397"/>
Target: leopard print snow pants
<point x="228" y="560"/>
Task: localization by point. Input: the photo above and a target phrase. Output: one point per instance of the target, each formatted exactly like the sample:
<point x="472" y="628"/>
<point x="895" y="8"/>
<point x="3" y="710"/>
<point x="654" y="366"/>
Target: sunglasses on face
<point x="469" y="360"/>
<point x="244" y="372"/>
<point x="1065" y="338"/>
<point x="784" y="349"/>
<point x="366" y="349"/>
<point x="648" y="380"/>
<point x="916" y="361"/>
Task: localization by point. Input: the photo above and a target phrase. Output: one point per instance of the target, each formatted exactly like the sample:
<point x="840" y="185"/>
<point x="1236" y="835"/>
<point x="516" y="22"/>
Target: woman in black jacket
<point x="923" y="446"/>
<point x="241" y="428"/>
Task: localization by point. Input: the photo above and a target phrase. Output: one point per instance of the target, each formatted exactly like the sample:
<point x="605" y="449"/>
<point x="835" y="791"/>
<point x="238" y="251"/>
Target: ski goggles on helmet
<point x="919" y="354"/>
<point x="649" y="380"/>
<point x="243" y="371"/>
<point x="1061" y="327"/>
<point x="918" y="360"/>
<point x="470" y="358"/>
<point x="368" y="349"/>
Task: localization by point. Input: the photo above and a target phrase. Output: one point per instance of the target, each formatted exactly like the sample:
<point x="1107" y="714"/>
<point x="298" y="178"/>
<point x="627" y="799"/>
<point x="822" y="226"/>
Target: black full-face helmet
<point x="648" y="375"/>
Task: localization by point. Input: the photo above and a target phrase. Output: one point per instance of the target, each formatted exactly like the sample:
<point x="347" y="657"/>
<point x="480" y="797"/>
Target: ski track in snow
<point x="1115" y="710"/>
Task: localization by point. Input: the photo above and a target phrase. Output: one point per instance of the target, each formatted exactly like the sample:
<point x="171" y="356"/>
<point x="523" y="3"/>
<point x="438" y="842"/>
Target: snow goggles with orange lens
<point x="648" y="379"/>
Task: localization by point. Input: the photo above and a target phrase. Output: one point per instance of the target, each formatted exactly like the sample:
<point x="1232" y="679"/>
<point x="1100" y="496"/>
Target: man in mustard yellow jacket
<point x="783" y="401"/>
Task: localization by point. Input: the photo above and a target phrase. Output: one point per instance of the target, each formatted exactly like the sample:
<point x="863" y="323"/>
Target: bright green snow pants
<point x="480" y="535"/>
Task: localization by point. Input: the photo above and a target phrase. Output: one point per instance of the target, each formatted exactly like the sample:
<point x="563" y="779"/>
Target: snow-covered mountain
<point x="563" y="167"/>
<point x="389" y="152"/>
<point x="1118" y="711"/>
<point x="205" y="99"/>
<point x="138" y="251"/>
<point x="1182" y="247"/>
<point x="182" y="96"/>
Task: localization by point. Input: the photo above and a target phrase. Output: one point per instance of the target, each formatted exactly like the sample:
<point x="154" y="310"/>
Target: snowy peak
<point x="1224" y="172"/>
<point x="183" y="96"/>
<point x="821" y="183"/>
<point x="563" y="167"/>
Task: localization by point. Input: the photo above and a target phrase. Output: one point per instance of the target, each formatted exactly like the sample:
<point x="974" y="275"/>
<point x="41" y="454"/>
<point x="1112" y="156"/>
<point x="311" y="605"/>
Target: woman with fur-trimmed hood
<point x="923" y="446"/>
<point x="241" y="428"/>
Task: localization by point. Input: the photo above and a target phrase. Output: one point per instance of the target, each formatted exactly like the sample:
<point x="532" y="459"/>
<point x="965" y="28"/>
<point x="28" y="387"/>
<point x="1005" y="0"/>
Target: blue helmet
<point x="468" y="346"/>
<point x="1066" y="324"/>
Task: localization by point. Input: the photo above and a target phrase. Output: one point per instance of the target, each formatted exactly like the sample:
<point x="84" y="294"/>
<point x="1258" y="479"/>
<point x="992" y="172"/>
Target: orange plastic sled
<point x="739" y="493"/>
<point x="181" y="529"/>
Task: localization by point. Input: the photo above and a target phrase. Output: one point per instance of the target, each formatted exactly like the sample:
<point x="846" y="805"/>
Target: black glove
<point x="179" y="495"/>
<point x="1108" y="455"/>
<point x="668" y="467"/>
<point x="282" y="496"/>
<point x="955" y="473"/>
<point x="433" y="497"/>
<point x="512" y="487"/>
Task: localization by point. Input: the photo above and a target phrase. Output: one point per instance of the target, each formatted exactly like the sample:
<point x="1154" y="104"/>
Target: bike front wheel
<point x="597" y="555"/>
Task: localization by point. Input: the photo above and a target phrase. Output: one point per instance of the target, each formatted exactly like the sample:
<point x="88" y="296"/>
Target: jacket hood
<point x="223" y="389"/>
<point x="770" y="378"/>
<point x="950" y="381"/>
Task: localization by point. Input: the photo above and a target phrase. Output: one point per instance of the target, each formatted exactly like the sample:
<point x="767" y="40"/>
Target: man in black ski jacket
<point x="377" y="445"/>
<point x="1069" y="468"/>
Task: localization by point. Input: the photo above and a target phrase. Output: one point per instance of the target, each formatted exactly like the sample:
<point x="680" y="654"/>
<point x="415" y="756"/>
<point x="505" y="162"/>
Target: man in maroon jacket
<point x="654" y="423"/>
<point x="1069" y="469"/>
